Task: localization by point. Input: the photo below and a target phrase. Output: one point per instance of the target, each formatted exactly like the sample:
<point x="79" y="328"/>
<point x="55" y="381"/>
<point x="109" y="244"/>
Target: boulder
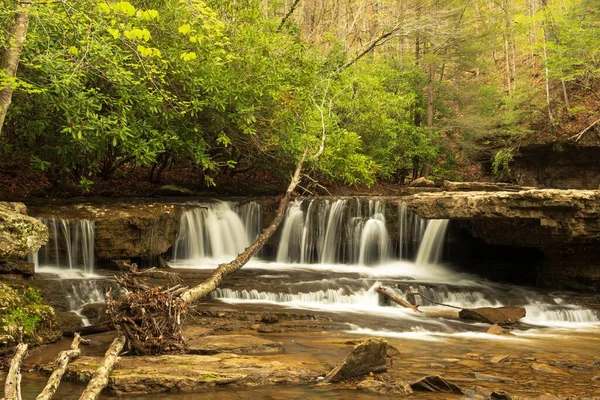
<point x="435" y="383"/>
<point x="68" y="322"/>
<point x="422" y="182"/>
<point x="383" y="387"/>
<point x="366" y="357"/>
<point x="500" y="395"/>
<point x="94" y="312"/>
<point x="499" y="359"/>
<point x="493" y="315"/>
<point x="19" y="233"/>
<point x="172" y="190"/>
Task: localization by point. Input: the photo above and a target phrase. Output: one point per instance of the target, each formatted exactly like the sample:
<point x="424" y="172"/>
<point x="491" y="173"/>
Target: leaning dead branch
<point x="100" y="378"/>
<point x="12" y="386"/>
<point x="578" y="136"/>
<point x="398" y="300"/>
<point x="61" y="362"/>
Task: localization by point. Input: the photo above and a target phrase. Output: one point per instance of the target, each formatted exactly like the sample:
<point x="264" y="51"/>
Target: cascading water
<point x="430" y="250"/>
<point x="71" y="245"/>
<point x="344" y="247"/>
<point x="214" y="232"/>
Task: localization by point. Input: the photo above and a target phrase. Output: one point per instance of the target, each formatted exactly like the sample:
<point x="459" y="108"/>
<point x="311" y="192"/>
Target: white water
<point x="334" y="241"/>
<point x="71" y="246"/>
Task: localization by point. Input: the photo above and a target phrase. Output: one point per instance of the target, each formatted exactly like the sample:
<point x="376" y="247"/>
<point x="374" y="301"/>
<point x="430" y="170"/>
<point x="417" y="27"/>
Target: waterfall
<point x="430" y="250"/>
<point x="411" y="229"/>
<point x="292" y="235"/>
<point x="212" y="231"/>
<point x="71" y="245"/>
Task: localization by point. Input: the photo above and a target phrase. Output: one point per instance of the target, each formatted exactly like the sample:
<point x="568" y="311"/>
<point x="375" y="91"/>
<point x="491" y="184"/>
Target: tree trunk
<point x="62" y="361"/>
<point x="226" y="269"/>
<point x="100" y="378"/>
<point x="12" y="386"/>
<point x="10" y="61"/>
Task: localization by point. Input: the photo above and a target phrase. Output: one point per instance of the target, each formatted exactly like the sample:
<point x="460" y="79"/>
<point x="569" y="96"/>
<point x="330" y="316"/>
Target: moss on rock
<point x="19" y="233"/>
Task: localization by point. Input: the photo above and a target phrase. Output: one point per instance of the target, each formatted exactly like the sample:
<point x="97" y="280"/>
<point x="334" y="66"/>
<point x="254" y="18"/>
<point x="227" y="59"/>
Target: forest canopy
<point x="391" y="90"/>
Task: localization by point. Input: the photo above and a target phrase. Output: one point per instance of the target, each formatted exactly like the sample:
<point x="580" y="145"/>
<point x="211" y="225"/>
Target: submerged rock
<point x="383" y="387"/>
<point x="435" y="383"/>
<point x="491" y="378"/>
<point x="498" y="330"/>
<point x="493" y="315"/>
<point x="541" y="367"/>
<point x="19" y="233"/>
<point x="368" y="356"/>
<point x="236" y="344"/>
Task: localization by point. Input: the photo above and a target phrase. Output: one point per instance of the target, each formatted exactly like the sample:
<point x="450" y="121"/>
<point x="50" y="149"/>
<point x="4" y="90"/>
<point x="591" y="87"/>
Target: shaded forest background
<point x="116" y="98"/>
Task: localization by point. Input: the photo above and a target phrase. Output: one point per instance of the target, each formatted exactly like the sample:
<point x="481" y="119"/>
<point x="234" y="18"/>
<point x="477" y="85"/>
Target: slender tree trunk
<point x="10" y="61"/>
<point x="430" y="95"/>
<point x="547" y="76"/>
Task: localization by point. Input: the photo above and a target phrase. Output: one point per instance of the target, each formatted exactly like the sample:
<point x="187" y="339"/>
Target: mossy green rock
<point x="19" y="233"/>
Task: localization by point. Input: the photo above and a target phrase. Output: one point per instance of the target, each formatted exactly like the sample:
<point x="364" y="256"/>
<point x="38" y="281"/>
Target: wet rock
<point x="17" y="267"/>
<point x="596" y="378"/>
<point x="68" y="322"/>
<point x="499" y="359"/>
<point x="124" y="230"/>
<point x="541" y="367"/>
<point x="184" y="373"/>
<point x="94" y="312"/>
<point x="435" y="383"/>
<point x="570" y="365"/>
<point x="269" y="319"/>
<point x="387" y="388"/>
<point x="19" y="233"/>
<point x="548" y="397"/>
<point x="500" y="395"/>
<point x="172" y="190"/>
<point x="491" y="378"/>
<point x="366" y="357"/>
<point x="236" y="344"/>
<point x="422" y="182"/>
<point x="493" y="315"/>
<point x="473" y="356"/>
<point x="477" y="393"/>
<point x="498" y="330"/>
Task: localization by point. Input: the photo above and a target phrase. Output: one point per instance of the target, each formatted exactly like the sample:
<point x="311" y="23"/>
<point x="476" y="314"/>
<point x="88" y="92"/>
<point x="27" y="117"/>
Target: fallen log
<point x="100" y="378"/>
<point x="389" y="293"/>
<point x="12" y="386"/>
<point x="61" y="362"/>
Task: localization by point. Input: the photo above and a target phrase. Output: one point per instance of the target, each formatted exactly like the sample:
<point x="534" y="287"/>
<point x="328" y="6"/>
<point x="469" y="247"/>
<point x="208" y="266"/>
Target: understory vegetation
<point x="389" y="91"/>
<point x="24" y="316"/>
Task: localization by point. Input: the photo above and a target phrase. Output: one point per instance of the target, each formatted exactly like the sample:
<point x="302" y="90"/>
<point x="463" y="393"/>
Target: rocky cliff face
<point x="123" y="229"/>
<point x="563" y="224"/>
<point x="563" y="166"/>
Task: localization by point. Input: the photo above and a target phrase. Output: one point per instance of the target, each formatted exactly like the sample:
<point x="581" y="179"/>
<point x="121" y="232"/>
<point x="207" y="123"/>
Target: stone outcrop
<point x="186" y="373"/>
<point x="366" y="357"/>
<point x="566" y="215"/>
<point x="450" y="186"/>
<point x="19" y="233"/>
<point x="563" y="225"/>
<point x="124" y="230"/>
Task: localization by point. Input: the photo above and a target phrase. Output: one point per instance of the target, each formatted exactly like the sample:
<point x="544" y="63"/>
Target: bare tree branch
<point x="288" y="15"/>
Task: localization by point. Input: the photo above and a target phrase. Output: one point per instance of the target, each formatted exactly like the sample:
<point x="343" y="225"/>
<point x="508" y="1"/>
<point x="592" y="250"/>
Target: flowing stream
<point x="331" y="255"/>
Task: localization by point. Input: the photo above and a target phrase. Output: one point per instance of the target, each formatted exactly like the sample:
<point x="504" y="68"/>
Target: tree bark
<point x="62" y="361"/>
<point x="229" y="268"/>
<point x="10" y="61"/>
<point x="100" y="378"/>
<point x="288" y="15"/>
<point x="12" y="386"/>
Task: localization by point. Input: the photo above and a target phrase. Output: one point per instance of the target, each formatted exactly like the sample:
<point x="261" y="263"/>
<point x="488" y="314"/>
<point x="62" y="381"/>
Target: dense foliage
<point x="24" y="316"/>
<point x="223" y="86"/>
